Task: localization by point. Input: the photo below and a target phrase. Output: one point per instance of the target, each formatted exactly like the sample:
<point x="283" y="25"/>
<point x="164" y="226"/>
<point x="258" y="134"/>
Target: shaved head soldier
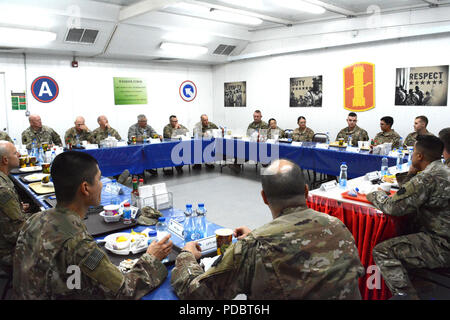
<point x="426" y="197"/>
<point x="301" y="254"/>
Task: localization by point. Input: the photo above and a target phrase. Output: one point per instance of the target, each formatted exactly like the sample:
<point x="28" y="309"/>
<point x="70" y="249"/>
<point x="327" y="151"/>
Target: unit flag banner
<point x="359" y="86"/>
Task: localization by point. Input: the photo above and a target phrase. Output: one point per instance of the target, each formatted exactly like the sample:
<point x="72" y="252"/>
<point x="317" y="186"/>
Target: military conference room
<point x="224" y="150"/>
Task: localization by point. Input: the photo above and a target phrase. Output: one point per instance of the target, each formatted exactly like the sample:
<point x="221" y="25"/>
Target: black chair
<point x="431" y="283"/>
<point x="321" y="138"/>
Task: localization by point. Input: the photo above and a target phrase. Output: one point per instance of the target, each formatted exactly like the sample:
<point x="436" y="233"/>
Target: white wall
<point x="88" y="91"/>
<point x="268" y="86"/>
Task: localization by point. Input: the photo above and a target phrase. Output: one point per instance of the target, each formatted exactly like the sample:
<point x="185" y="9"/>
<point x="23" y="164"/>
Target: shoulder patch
<point x="92" y="261"/>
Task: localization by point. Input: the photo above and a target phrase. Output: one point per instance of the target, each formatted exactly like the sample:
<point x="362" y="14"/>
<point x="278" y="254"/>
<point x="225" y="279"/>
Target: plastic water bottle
<point x="34" y="152"/>
<point x="144" y="136"/>
<point x="328" y="138"/>
<point x="40" y="157"/>
<point x="349" y="141"/>
<point x="343" y="175"/>
<point x="126" y="213"/>
<point x="188" y="223"/>
<point x="399" y="159"/>
<point x="113" y="189"/>
<point x="410" y="152"/>
<point x="53" y="155"/>
<point x="201" y="220"/>
<point x="384" y="166"/>
<point x="161" y="228"/>
<point x="77" y="140"/>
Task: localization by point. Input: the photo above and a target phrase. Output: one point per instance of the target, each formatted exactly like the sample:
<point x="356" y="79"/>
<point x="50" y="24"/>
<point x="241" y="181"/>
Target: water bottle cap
<point x="344" y="163"/>
<point x="152" y="233"/>
<point x="357" y="189"/>
<point x="189" y="206"/>
<point x="162" y="219"/>
<point x="114" y="180"/>
<point x="201" y="204"/>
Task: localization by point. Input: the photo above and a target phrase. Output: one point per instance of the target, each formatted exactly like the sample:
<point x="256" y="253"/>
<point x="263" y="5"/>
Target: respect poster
<point x="130" y="91"/>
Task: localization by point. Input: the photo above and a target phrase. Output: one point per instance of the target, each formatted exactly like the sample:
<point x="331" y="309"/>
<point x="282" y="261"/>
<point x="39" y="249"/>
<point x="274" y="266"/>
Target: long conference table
<point x="368" y="225"/>
<point x="140" y="157"/>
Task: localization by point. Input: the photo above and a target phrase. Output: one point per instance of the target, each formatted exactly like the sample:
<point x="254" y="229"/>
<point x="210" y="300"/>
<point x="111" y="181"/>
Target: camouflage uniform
<point x="46" y="134"/>
<point x="5" y="136"/>
<point x="199" y="125"/>
<point x="412" y="137"/>
<point x="426" y="197"/>
<point x="55" y="239"/>
<point x="306" y="135"/>
<point x="447" y="162"/>
<point x="388" y="137"/>
<point x="169" y="131"/>
<point x="302" y="254"/>
<point x="137" y="131"/>
<point x="99" y="134"/>
<point x="358" y="134"/>
<point x="71" y="136"/>
<point x="280" y="134"/>
<point x="257" y="126"/>
<point x="11" y="220"/>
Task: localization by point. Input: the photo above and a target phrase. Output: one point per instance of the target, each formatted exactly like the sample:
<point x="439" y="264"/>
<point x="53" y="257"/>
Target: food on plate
<point x="389" y="179"/>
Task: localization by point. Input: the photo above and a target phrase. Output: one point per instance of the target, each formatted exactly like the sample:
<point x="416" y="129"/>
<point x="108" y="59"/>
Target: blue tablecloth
<point x="137" y="158"/>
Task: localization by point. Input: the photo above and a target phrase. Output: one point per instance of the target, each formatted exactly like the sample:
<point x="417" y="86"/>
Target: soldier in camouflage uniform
<point x="272" y="129"/>
<point x="357" y="133"/>
<point x="426" y="198"/>
<point x="39" y="132"/>
<point x="169" y="130"/>
<point x="80" y="132"/>
<point x="102" y="132"/>
<point x="444" y="135"/>
<point x="301" y="254"/>
<point x="302" y="133"/>
<point x="55" y="243"/>
<point x="5" y="136"/>
<point x="257" y="123"/>
<point x="11" y="215"/>
<point x="420" y="128"/>
<point x="141" y="130"/>
<point x="387" y="135"/>
<point x="204" y="125"/>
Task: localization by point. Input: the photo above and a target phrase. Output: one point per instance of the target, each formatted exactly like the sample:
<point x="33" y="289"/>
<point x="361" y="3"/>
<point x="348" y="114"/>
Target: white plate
<point x="34" y="177"/>
<point x="131" y="247"/>
<point x="29" y="169"/>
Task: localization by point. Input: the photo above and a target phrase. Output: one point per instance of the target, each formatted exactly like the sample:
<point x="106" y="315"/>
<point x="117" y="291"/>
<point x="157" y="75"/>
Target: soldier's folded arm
<point x="11" y="216"/>
<point x="407" y="199"/>
<point x="146" y="275"/>
<point x="229" y="275"/>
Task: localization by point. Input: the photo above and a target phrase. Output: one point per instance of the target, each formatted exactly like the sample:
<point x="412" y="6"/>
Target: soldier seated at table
<point x="103" y="131"/>
<point x="79" y="133"/>
<point x="301" y="254"/>
<point x="257" y="123"/>
<point x="425" y="197"/>
<point x="56" y="258"/>
<point x="420" y="128"/>
<point x="302" y="133"/>
<point x="387" y="134"/>
<point x="203" y="129"/>
<point x="357" y="133"/>
<point x="174" y="129"/>
<point x="141" y="130"/>
<point x="12" y="211"/>
<point x="274" y="130"/>
<point x="444" y="135"/>
<point x="39" y="133"/>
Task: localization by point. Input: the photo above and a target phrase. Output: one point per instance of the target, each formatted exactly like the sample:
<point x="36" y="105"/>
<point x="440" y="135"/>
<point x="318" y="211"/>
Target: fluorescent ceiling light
<point x="252" y="4"/>
<point x="187" y="36"/>
<point x="234" y="18"/>
<point x="25" y="16"/>
<point x="25" y="37"/>
<point x="183" y="49"/>
<point x="301" y="6"/>
<point x="191" y="8"/>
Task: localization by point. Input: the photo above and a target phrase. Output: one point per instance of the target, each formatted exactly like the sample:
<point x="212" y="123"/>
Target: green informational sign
<point x="18" y="101"/>
<point x="130" y="91"/>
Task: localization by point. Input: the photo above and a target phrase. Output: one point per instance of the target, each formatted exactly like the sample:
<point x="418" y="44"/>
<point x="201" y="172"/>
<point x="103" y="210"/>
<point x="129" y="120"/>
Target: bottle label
<point x="176" y="228"/>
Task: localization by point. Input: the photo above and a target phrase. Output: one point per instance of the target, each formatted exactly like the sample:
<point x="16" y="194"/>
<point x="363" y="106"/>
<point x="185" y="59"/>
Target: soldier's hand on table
<point x="160" y="249"/>
<point x="194" y="248"/>
<point x="241" y="232"/>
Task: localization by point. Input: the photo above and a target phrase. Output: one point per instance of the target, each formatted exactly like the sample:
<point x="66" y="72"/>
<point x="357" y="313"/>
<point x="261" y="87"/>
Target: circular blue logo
<point x="44" y="89"/>
<point x="188" y="91"/>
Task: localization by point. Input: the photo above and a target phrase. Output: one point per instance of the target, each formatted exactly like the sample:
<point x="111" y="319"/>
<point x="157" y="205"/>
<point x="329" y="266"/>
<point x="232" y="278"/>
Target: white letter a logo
<point x="45" y="89"/>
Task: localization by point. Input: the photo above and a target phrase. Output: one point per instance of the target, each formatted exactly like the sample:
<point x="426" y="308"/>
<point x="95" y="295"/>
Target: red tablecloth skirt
<point x="368" y="228"/>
